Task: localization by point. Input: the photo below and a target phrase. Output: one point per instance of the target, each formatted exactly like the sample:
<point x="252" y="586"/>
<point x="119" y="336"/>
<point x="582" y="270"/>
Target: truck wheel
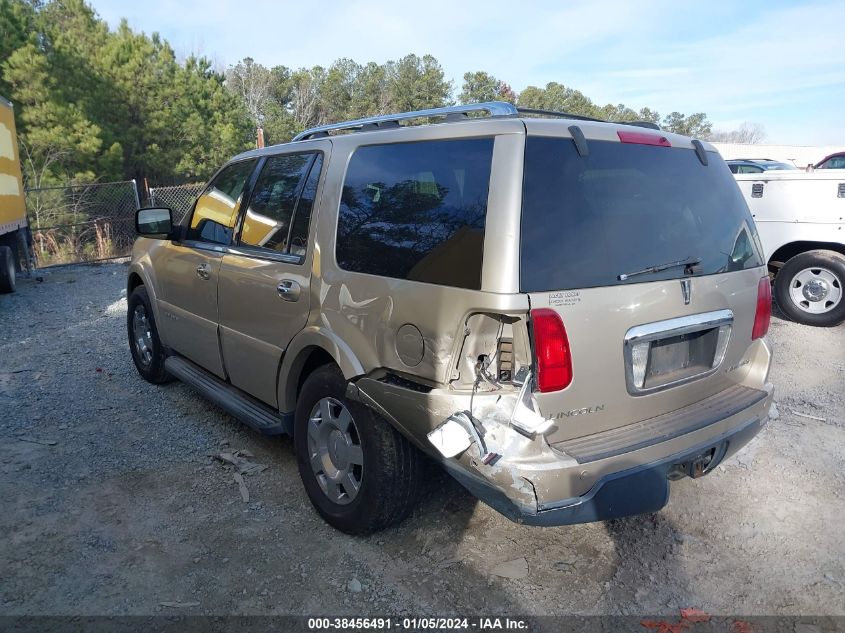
<point x="7" y="270"/>
<point x="810" y="288"/>
<point x="147" y="351"/>
<point x="359" y="472"/>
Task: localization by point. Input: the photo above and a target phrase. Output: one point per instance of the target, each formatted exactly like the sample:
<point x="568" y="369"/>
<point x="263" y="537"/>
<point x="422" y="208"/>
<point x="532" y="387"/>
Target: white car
<point x="801" y="221"/>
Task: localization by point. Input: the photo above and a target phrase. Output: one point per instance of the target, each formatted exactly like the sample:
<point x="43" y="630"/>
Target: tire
<point x="810" y="288"/>
<point x="148" y="353"/>
<point x="7" y="270"/>
<point x="390" y="470"/>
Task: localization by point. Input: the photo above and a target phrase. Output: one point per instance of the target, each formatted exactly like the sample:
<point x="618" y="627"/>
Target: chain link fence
<point x="180" y="199"/>
<point x="88" y="223"/>
<point x="82" y="223"/>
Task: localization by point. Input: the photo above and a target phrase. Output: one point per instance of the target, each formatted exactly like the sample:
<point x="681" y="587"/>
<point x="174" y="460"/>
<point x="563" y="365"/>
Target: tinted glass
<point x="416" y="211"/>
<point x="267" y="220"/>
<point x="302" y="215"/>
<point x="216" y="209"/>
<point x="837" y="162"/>
<point x="625" y="207"/>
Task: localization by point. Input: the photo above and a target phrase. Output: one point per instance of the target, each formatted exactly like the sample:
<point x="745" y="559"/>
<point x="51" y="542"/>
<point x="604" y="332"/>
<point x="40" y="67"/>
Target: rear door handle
<point x="289" y="290"/>
<point x="202" y="271"/>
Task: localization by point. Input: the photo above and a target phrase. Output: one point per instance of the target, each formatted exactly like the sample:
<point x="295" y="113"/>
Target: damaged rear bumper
<point x="536" y="483"/>
<point x="636" y="490"/>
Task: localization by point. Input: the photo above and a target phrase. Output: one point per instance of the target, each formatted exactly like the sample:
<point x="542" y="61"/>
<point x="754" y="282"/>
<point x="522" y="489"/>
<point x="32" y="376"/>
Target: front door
<point x="189" y="269"/>
<point x="264" y="277"/>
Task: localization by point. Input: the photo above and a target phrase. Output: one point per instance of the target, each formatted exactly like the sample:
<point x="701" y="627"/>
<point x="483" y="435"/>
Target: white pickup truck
<point x="801" y="220"/>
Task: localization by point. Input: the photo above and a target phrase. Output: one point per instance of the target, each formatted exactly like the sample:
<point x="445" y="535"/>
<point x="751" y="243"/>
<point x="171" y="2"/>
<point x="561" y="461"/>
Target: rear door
<point x="643" y="342"/>
<point x="264" y="295"/>
<point x="188" y="269"/>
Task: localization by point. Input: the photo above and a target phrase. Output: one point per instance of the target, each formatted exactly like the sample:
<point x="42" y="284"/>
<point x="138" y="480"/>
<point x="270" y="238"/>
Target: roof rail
<point x="493" y="108"/>
<point x="581" y="117"/>
<point x="562" y="115"/>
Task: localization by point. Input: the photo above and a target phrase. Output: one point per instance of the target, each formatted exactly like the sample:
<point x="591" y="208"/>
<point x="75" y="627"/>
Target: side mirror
<point x="154" y="222"/>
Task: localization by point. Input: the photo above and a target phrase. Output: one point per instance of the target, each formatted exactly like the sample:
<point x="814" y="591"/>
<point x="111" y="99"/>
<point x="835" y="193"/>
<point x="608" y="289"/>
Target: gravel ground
<point x="112" y="504"/>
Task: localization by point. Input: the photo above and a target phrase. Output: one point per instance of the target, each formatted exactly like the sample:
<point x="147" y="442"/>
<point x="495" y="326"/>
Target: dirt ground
<point x="111" y="503"/>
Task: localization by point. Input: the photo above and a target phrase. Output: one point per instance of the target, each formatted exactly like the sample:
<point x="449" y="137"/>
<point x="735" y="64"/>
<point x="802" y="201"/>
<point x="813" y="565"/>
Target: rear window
<point x="625" y="207"/>
<point x="416" y="211"/>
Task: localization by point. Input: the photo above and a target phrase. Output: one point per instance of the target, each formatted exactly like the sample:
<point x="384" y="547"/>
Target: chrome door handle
<point x="202" y="271"/>
<point x="289" y="290"/>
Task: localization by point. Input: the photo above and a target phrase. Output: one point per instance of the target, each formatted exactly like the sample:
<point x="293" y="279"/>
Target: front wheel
<point x="147" y="351"/>
<point x="810" y="288"/>
<point x="360" y="473"/>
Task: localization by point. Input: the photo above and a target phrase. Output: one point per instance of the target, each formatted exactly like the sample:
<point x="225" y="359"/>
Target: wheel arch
<point x="133" y="281"/>
<point x="787" y="251"/>
<point x="313" y="347"/>
<point x="138" y="275"/>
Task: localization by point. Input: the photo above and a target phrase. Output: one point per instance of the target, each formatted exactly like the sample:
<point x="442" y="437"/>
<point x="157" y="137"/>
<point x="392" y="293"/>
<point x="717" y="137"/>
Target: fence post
<point x="135" y="189"/>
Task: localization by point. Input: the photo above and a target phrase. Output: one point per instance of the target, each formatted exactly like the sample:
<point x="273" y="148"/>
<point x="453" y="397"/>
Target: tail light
<point x="551" y="347"/>
<point x="764" y="309"/>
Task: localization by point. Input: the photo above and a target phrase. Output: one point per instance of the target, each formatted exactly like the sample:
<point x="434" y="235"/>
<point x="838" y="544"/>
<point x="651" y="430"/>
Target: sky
<point x="773" y="62"/>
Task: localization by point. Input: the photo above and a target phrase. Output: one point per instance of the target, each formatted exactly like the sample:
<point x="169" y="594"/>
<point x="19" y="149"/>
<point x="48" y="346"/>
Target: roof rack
<point x="493" y="108"/>
<point x="580" y="117"/>
<point x="562" y="115"/>
<point x="450" y="113"/>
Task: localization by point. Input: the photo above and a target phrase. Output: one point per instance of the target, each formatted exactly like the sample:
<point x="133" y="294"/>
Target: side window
<point x="302" y="215"/>
<point x="268" y="218"/>
<point x="416" y="211"/>
<point x="216" y="209"/>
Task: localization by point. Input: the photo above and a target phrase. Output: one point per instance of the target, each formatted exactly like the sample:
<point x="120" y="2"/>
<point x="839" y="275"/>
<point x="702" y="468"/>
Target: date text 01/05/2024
<point x="417" y="624"/>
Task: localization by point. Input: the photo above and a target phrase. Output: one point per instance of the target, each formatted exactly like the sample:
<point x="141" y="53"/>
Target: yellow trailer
<point x="15" y="237"/>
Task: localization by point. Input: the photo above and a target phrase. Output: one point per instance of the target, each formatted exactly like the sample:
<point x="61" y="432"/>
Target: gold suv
<point x="565" y="313"/>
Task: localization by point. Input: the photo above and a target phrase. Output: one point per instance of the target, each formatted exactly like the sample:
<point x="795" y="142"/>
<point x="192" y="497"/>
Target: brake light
<point x="551" y="347"/>
<point x="764" y="309"/>
<point x="642" y="138"/>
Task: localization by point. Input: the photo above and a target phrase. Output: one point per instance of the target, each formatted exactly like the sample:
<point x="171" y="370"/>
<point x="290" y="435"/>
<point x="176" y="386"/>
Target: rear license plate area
<point x="678" y="357"/>
<point x="665" y="354"/>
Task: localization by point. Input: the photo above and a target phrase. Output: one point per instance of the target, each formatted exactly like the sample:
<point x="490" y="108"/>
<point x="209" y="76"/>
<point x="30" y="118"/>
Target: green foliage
<point x="480" y="87"/>
<point x="563" y="99"/>
<point x="695" y="125"/>
<point x="93" y="103"/>
<point x="98" y="104"/>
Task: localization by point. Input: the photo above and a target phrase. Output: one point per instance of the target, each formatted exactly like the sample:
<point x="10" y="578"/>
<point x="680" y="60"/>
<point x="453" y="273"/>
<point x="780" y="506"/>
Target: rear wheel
<point x="810" y="288"/>
<point x="359" y="472"/>
<point x="7" y="270"/>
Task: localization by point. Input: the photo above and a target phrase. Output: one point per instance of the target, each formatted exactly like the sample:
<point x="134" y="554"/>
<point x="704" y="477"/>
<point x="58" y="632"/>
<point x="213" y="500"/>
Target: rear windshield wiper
<point x="689" y="263"/>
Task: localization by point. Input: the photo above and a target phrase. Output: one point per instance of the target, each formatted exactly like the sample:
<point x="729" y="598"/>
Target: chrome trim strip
<point x="494" y="108"/>
<point x="674" y="327"/>
<point x="284" y="258"/>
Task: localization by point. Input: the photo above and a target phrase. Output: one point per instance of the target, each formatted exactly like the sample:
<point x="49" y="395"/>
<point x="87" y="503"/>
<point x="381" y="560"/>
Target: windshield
<point x="627" y="207"/>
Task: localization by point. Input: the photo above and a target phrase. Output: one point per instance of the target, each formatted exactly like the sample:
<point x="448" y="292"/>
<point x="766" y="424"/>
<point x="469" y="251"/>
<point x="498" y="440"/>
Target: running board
<point x="250" y="411"/>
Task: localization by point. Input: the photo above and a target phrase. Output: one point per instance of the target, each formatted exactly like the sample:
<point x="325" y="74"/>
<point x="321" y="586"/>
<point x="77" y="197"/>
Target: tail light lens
<point x="643" y="138"/>
<point x="551" y="346"/>
<point x="764" y="309"/>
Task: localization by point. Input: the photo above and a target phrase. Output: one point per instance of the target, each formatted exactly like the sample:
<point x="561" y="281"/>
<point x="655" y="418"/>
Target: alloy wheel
<point x="335" y="451"/>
